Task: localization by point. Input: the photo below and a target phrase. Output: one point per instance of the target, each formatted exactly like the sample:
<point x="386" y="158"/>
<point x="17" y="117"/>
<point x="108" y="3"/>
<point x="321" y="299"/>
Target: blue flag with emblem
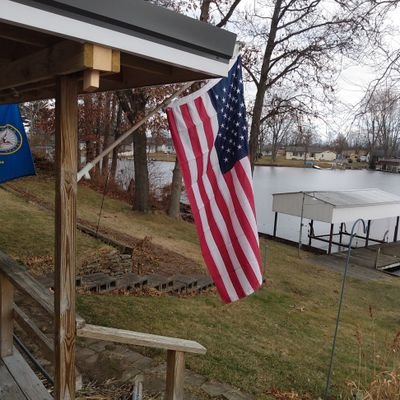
<point x="15" y="154"/>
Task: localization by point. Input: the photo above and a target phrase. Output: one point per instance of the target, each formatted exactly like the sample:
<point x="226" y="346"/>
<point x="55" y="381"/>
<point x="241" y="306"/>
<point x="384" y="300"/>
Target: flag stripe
<point x="233" y="233"/>
<point x="208" y="247"/>
<point x="210" y="135"/>
<point x="215" y="220"/>
<point x="215" y="262"/>
<point x="243" y="208"/>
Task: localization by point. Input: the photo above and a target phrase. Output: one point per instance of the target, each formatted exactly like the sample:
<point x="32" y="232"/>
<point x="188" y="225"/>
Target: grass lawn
<point x="279" y="338"/>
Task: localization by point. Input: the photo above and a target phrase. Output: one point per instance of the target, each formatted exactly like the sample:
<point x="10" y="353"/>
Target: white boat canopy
<point x="338" y="206"/>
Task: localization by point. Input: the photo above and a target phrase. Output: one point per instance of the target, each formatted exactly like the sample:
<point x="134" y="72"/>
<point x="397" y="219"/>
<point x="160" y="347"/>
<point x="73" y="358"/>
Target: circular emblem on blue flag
<point x="10" y="139"/>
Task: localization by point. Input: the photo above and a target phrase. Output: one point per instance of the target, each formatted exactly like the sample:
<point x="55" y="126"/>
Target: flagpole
<point x="85" y="170"/>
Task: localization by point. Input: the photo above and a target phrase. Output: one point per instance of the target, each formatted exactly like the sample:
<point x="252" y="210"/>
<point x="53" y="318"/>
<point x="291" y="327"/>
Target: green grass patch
<point x="27" y="231"/>
<point x="278" y="338"/>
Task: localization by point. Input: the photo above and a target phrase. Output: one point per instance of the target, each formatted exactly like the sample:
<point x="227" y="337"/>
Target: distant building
<point x="157" y="146"/>
<point x="313" y="153"/>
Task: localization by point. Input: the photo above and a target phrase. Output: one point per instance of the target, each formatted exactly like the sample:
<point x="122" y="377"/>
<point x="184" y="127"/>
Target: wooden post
<point x="368" y="229"/>
<point x="396" y="230"/>
<point x="6" y="317"/>
<point x="310" y="236"/>
<point x="341" y="233"/>
<point x="65" y="231"/>
<point x="275" y="223"/>
<point x="330" y="239"/>
<point x="175" y="375"/>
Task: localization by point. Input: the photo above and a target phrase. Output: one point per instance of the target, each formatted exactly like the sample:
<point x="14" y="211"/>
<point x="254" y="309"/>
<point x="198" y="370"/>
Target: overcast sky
<point x="352" y="82"/>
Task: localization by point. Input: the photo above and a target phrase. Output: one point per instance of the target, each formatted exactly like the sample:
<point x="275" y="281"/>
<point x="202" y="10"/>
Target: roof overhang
<point x="153" y="45"/>
<point x="338" y="206"/>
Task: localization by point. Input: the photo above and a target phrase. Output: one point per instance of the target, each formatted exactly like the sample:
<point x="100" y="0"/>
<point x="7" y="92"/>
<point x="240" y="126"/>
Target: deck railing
<point x="14" y="276"/>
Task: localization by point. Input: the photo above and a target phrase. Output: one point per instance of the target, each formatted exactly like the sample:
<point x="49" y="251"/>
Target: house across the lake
<point x="311" y="153"/>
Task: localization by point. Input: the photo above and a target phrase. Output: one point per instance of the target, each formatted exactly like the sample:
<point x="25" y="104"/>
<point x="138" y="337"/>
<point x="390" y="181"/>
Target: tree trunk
<point x="174" y="209"/>
<point x="141" y="201"/>
<point x="205" y="10"/>
<point x="110" y="107"/>
<point x="114" y="161"/>
<point x="259" y="100"/>
<point x="134" y="104"/>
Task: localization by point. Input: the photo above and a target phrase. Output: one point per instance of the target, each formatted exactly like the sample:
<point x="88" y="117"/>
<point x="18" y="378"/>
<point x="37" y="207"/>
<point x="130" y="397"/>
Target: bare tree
<point x="207" y="10"/>
<point x="299" y="41"/>
<point x="380" y="122"/>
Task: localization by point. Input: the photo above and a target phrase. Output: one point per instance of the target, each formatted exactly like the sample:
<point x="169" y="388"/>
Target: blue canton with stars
<point x="227" y="98"/>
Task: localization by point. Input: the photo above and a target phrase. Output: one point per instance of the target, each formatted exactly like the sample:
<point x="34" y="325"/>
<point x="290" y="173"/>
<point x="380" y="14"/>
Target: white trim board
<point x="36" y="19"/>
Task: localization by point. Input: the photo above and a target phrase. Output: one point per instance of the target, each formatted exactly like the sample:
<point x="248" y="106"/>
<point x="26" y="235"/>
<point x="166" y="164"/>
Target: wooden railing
<point x="14" y="276"/>
<point x="176" y="349"/>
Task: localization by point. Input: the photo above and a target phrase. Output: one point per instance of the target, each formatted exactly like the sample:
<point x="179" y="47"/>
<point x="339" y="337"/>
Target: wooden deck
<point x="18" y="381"/>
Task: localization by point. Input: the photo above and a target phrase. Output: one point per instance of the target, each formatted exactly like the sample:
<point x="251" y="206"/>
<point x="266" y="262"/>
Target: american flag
<point x="209" y="131"/>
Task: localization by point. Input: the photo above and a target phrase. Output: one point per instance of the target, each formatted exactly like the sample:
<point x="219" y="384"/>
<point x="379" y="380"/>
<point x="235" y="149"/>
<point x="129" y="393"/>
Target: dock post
<point x="396" y="229"/>
<point x="275" y="223"/>
<point x="330" y="239"/>
<point x="311" y="232"/>
<point x="368" y="229"/>
<point x="341" y="233"/>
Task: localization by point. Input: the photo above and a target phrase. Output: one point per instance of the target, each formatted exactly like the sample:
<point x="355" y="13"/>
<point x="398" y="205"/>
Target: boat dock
<point x="381" y="261"/>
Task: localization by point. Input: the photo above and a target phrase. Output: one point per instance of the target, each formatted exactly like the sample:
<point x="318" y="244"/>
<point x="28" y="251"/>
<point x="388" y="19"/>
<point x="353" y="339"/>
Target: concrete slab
<point x="215" y="389"/>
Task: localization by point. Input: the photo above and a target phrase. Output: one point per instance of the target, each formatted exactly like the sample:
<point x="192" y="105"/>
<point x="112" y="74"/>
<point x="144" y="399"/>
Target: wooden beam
<point x="140" y="339"/>
<point x="61" y="59"/>
<point x="6" y="316"/>
<point x="65" y="232"/>
<point x="91" y="80"/>
<point x="101" y="58"/>
<point x="175" y="375"/>
<point x="25" y="378"/>
<point x="26" y="36"/>
<point x="26" y="323"/>
<point x="64" y="58"/>
<point x="141" y="64"/>
<point x="24" y="282"/>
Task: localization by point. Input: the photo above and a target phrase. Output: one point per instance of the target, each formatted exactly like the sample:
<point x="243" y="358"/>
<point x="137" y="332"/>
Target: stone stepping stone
<point x="132" y="281"/>
<point x="188" y="282"/>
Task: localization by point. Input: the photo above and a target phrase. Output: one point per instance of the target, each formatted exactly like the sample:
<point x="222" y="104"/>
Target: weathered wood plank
<point x="24" y="282"/>
<point x="62" y="58"/>
<point x="140" y="339"/>
<point x="26" y="36"/>
<point x="20" y="278"/>
<point x="25" y="322"/>
<point x="175" y="375"/>
<point x="25" y="378"/>
<point x="46" y="344"/>
<point x="65" y="255"/>
<point x="9" y="390"/>
<point x="6" y="316"/>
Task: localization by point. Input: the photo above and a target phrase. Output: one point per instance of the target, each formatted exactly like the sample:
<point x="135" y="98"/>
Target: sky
<point x="356" y="76"/>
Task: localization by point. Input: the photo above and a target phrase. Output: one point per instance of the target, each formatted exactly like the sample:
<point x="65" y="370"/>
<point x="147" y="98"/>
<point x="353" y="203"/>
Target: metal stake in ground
<point x="346" y="267"/>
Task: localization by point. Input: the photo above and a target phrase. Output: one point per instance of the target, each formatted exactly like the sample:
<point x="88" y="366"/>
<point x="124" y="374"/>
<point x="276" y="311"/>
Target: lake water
<point x="269" y="180"/>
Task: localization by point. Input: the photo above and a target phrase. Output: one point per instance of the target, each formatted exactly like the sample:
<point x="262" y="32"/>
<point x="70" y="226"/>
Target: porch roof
<point x="338" y="206"/>
<point x="150" y="45"/>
